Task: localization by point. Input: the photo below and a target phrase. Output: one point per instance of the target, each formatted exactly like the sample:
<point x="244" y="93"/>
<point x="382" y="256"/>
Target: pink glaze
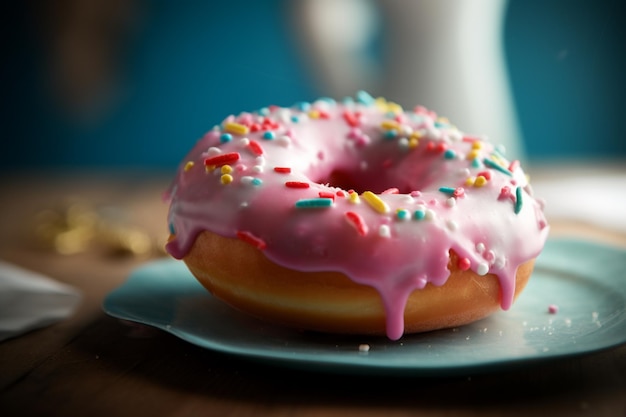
<point x="283" y="180"/>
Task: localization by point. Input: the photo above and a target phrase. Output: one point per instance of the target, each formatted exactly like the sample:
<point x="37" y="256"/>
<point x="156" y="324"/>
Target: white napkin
<point x="29" y="300"/>
<point x="593" y="199"/>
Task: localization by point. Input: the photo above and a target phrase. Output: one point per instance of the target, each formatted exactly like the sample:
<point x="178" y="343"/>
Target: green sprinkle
<point x="497" y="167"/>
<point x="518" y="200"/>
<point x="314" y="203"/>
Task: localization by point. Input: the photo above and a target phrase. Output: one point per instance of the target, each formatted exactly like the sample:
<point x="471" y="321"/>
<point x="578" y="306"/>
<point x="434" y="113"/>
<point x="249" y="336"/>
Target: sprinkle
<point x="226" y="137"/>
<point x="403" y="214"/>
<point x="384" y="231"/>
<point x="518" y="200"/>
<point x="419" y="214"/>
<point x="447" y="190"/>
<point x="390" y="134"/>
<point x="505" y="192"/>
<point x="451" y="202"/>
<point x="480" y="181"/>
<point x="553" y="309"/>
<point x="326" y="194"/>
<point x="284" y="141"/>
<point x="255" y="147"/>
<point x="449" y="154"/>
<point x="222" y="159"/>
<point x="458" y="192"/>
<point x="268" y="135"/>
<point x="482" y="269"/>
<point x="392" y="190"/>
<point x="354" y="198"/>
<point x="364" y="347"/>
<point x="226" y="169"/>
<point x="256" y="181"/>
<point x="485" y="174"/>
<point x="452" y="225"/>
<point x="251" y="239"/>
<point x="236" y="128"/>
<point x="351" y="118"/>
<point x="172" y="229"/>
<point x="226" y="179"/>
<point x="314" y="203"/>
<point x="357" y="221"/>
<point x="188" y="166"/>
<point x="492" y="164"/>
<point x="282" y="170"/>
<point x="464" y="264"/>
<point x="364" y="98"/>
<point x="390" y="125"/>
<point x="473" y="154"/>
<point x="480" y="247"/>
<point x="514" y="165"/>
<point x="297" y="184"/>
<point x="375" y="202"/>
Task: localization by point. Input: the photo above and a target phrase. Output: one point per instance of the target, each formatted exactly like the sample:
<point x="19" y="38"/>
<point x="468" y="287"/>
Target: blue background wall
<point x="193" y="62"/>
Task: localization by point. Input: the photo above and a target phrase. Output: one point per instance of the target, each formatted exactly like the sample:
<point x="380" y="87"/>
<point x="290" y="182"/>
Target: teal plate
<point x="586" y="281"/>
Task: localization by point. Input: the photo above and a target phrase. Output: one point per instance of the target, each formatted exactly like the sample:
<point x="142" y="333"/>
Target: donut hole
<point x="361" y="181"/>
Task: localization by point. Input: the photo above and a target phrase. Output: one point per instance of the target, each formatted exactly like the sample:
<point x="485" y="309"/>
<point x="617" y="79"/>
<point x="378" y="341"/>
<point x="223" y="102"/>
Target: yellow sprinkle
<point x="480" y="181"/>
<point x="473" y="154"/>
<point x="443" y="119"/>
<point x="226" y="169"/>
<point x="413" y="142"/>
<point x="416" y="135"/>
<point x="354" y="198"/>
<point x="470" y="181"/>
<point x="188" y="166"/>
<point x="381" y="103"/>
<point x="499" y="160"/>
<point x="390" y="125"/>
<point x="226" y="179"/>
<point x="477" y="145"/>
<point x="394" y="108"/>
<point x="375" y="202"/>
<point x="209" y="168"/>
<point x="314" y="114"/>
<point x="236" y="128"/>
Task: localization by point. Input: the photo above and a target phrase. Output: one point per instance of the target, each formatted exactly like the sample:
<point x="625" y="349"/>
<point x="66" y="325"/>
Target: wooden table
<point x="94" y="365"/>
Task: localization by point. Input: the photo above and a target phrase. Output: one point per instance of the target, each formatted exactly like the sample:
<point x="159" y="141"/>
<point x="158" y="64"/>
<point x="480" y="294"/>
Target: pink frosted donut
<point x="354" y="217"/>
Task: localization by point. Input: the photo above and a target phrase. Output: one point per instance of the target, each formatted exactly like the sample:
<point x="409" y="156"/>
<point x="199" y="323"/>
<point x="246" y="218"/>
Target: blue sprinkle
<point x="348" y="101"/>
<point x="364" y="98"/>
<point x="268" y="135"/>
<point x="390" y="134"/>
<point x="303" y="106"/>
<point x="447" y="190"/>
<point x="518" y="200"/>
<point x="295" y="119"/>
<point x="390" y="115"/>
<point x="256" y="181"/>
<point x="172" y="230"/>
<point x="497" y="167"/>
<point x="440" y="124"/>
<point x="226" y="137"/>
<point x="476" y="163"/>
<point x="402" y="214"/>
<point x="419" y="214"/>
<point x="315" y="203"/>
<point x="449" y="154"/>
<point x="265" y="111"/>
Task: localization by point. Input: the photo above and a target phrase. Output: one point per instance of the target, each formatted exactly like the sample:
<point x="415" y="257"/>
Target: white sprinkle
<point x="403" y="143"/>
<point x="451" y="202"/>
<point x="260" y="160"/>
<point x="246" y="179"/>
<point x="480" y="247"/>
<point x="455" y="135"/>
<point x="284" y="141"/>
<point x="243" y="142"/>
<point x="430" y="214"/>
<point x="213" y="151"/>
<point x="452" y="225"/>
<point x="244" y="204"/>
<point x="500" y="262"/>
<point x="384" y="231"/>
<point x="258" y="169"/>
<point x="364" y="347"/>
<point x="482" y="269"/>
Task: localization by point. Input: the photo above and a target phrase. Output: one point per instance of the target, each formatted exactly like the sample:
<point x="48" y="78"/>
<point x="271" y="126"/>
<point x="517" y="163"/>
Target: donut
<point x="355" y="216"/>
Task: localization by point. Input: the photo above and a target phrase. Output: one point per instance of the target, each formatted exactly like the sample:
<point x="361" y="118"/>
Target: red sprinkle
<point x="255" y="148"/>
<point x="222" y="159"/>
<point x="282" y="170"/>
<point x="297" y="184"/>
<point x="251" y="239"/>
<point x="327" y="194"/>
<point x="458" y="192"/>
<point x="464" y="264"/>
<point x="341" y="193"/>
<point x="391" y="191"/>
<point x="357" y="221"/>
<point x="351" y="118"/>
<point x="485" y="174"/>
<point x="513" y="165"/>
